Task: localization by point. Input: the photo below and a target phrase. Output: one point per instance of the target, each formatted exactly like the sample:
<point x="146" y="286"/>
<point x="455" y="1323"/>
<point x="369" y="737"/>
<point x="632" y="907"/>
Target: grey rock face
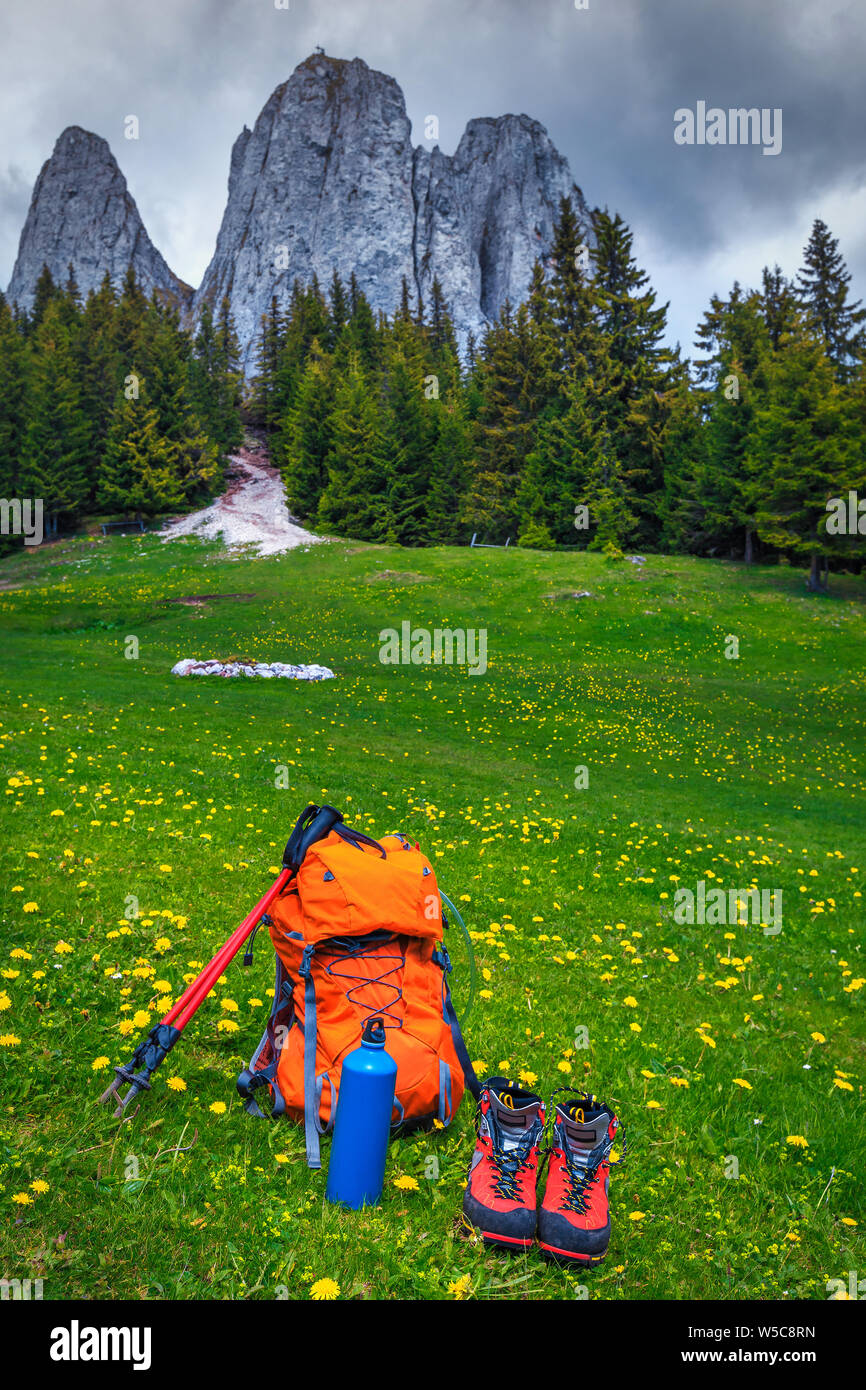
<point x="328" y="178"/>
<point x="82" y="212"/>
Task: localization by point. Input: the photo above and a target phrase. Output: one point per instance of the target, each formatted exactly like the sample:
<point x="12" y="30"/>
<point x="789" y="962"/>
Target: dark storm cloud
<point x="605" y="81"/>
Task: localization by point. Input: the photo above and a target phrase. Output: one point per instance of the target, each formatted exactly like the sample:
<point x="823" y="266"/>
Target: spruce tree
<point x="230" y="429"/>
<point x="338" y="310"/>
<point x="822" y="287"/>
<point x="682" y="523"/>
<point x="56" y="453"/>
<point x="99" y="367"/>
<point x="505" y="427"/>
<point x="263" y="392"/>
<point x="571" y="294"/>
<point x="361" y="338"/>
<point x="140" y="470"/>
<point x="214" y="379"/>
<point x="308" y="436"/>
<point x="448" y="451"/>
<point x="778" y="304"/>
<point x="46" y="291"/>
<point x="407" y="434"/>
<point x="355" y="503"/>
<point x="612" y="520"/>
<point x="131" y="309"/>
<point x="13" y="401"/>
<point x="802" y="450"/>
<point x="633" y="367"/>
<point x="554" y="481"/>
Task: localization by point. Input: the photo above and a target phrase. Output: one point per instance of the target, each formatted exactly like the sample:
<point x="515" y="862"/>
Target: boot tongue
<point x="584" y="1135"/>
<point x="512" y="1124"/>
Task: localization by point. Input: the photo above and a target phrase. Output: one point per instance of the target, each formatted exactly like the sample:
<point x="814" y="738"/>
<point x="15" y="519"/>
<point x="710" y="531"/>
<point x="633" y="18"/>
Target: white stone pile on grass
<point x="263" y="669"/>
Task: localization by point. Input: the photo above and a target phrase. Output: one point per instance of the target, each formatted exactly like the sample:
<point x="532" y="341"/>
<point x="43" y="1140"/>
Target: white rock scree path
<point x="252" y="511"/>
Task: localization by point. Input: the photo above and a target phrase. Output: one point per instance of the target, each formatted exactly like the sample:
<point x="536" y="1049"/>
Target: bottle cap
<point x="374" y="1032"/>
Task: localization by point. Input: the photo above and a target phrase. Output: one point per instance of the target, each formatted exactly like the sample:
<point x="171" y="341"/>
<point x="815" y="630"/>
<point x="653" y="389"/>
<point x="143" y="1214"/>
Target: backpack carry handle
<point x="314" y="824"/>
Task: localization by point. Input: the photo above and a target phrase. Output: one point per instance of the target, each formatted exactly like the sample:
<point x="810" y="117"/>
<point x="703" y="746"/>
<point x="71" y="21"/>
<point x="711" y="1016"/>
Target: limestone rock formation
<point x="328" y="178"/>
<point x="82" y="213"/>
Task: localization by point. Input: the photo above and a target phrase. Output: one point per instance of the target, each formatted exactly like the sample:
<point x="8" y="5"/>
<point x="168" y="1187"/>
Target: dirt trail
<point x="252" y="510"/>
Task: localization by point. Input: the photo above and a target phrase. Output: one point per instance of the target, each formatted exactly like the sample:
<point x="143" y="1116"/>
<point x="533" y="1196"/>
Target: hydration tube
<point x="473" y="975"/>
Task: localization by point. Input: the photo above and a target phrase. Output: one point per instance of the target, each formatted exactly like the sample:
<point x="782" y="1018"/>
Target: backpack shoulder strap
<point x="313" y="824"/>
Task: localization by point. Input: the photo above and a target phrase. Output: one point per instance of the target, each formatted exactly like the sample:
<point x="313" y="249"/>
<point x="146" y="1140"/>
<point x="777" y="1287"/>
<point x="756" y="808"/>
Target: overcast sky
<point x="605" y="81"/>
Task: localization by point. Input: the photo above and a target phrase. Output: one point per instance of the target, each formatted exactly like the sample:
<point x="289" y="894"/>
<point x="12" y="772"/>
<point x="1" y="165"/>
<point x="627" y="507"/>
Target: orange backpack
<point x="357" y="932"/>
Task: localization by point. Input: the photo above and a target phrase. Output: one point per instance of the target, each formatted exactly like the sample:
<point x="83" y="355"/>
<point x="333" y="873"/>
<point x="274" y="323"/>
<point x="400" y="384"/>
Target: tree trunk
<point x="813" y="583"/>
<point x="750" y="547"/>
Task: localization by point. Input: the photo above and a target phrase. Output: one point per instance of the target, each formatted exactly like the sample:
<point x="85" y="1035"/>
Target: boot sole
<point x="515" y="1243"/>
<point x="557" y="1256"/>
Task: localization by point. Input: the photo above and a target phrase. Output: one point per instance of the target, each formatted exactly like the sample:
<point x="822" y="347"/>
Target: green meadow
<point x="734" y="1056"/>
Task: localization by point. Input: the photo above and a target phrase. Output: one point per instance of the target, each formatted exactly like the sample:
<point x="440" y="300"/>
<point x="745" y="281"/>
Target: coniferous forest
<point x="569" y="424"/>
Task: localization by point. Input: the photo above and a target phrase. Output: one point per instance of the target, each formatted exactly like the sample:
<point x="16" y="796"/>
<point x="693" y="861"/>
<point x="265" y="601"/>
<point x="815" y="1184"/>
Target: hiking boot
<point x="574" y="1220"/>
<point x="500" y="1197"/>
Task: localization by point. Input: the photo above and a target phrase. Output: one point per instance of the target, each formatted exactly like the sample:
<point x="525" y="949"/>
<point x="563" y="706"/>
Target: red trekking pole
<point x="313" y="824"/>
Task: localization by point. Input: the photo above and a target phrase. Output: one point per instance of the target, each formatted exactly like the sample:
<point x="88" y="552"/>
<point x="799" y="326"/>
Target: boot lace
<point x="509" y="1163"/>
<point x="581" y="1176"/>
<point x="580" y="1179"/>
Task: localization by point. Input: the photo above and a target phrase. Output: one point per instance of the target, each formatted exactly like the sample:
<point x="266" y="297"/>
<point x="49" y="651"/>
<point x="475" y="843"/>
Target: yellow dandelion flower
<point x="817" y="1037"/>
<point x="630" y="1001"/>
<point x="99" y="1063"/>
<point x="218" y="1107"/>
<point x="22" y="1198"/>
<point x="746" y="1085"/>
<point x="39" y="1185"/>
<point x="30" y="907"/>
<point x="176" y="1083"/>
<point x="141" y="1018"/>
<point x="325" y="1290"/>
<point x="9" y="1040"/>
<point x="653" y="1105"/>
<point x="797" y="1141"/>
<point x="636" y="1216"/>
<point x="406" y="1183"/>
<point x="843" y="1085"/>
<point x="459" y="1288"/>
<point x="847" y="1221"/>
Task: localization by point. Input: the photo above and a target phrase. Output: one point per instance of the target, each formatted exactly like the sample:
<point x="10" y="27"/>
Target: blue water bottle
<point x="356" y="1172"/>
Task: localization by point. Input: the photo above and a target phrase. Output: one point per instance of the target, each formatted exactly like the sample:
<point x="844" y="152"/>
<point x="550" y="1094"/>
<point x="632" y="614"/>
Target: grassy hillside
<point x="723" y="1049"/>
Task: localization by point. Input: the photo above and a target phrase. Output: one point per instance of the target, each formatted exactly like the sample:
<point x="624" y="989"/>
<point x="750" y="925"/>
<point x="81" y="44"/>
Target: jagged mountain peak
<point x="328" y="178"/>
<point x="82" y="213"/>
